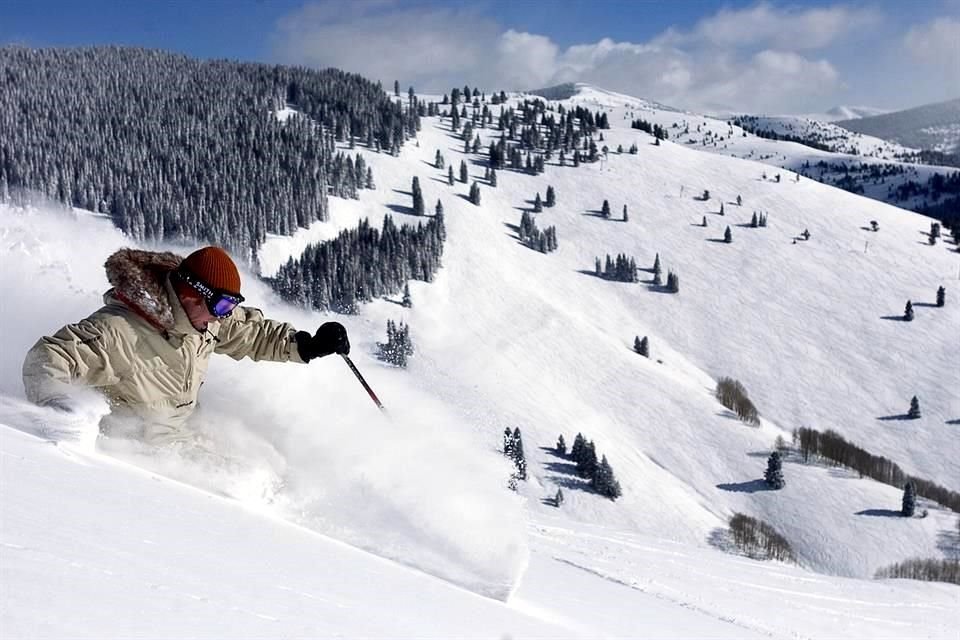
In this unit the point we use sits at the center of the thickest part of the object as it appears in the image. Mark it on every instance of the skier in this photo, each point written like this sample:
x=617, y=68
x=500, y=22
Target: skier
x=147, y=349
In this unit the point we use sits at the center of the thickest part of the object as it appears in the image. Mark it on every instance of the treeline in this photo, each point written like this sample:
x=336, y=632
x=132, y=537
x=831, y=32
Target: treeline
x=655, y=130
x=758, y=539
x=179, y=149
x=929, y=569
x=750, y=124
x=362, y=264
x=832, y=446
x=733, y=395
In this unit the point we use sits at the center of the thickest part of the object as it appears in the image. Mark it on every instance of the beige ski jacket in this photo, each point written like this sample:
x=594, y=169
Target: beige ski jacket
x=142, y=353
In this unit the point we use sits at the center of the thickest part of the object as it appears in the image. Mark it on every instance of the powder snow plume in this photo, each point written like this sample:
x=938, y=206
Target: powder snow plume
x=302, y=442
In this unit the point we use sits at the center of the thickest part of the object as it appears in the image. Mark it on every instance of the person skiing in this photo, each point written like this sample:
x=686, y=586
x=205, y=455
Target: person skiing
x=147, y=349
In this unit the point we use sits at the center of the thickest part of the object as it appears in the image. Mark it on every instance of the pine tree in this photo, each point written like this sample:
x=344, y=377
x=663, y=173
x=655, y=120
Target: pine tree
x=625, y=218
x=576, y=451
x=417, y=197
x=721, y=210
x=587, y=465
x=519, y=459
x=508, y=442
x=673, y=282
x=773, y=476
x=407, y=301
x=909, y=504
x=396, y=88
x=914, y=411
x=728, y=235
x=604, y=482
x=493, y=177
x=551, y=196
x=475, y=194
x=463, y=172
x=642, y=347
x=941, y=296
x=704, y=222
x=739, y=201
x=605, y=209
x=537, y=204
x=561, y=446
x=438, y=160
x=908, y=312
x=558, y=499
x=450, y=175
x=754, y=221
x=438, y=210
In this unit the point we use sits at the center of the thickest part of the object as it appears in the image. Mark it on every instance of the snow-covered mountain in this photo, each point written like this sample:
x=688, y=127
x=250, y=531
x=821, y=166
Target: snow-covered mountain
x=844, y=112
x=867, y=165
x=935, y=127
x=508, y=337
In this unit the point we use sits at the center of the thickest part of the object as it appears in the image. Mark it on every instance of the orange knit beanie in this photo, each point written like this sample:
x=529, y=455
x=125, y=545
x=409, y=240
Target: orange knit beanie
x=214, y=267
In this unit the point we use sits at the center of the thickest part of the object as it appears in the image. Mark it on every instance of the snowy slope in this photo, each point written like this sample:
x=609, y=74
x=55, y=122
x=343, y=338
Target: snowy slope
x=506, y=336
x=870, y=161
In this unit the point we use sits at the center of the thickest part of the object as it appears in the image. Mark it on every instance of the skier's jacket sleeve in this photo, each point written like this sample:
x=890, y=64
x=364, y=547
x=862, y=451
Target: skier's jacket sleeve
x=82, y=354
x=247, y=334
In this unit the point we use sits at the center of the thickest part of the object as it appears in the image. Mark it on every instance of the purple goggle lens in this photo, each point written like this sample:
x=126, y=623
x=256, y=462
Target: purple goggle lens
x=223, y=306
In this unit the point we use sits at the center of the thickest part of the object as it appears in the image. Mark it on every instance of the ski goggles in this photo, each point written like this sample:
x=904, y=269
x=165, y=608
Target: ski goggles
x=220, y=303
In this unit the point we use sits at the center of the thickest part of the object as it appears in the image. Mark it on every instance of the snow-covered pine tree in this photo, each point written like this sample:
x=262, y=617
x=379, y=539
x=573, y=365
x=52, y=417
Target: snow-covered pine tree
x=773, y=476
x=551, y=197
x=625, y=218
x=754, y=221
x=407, y=300
x=908, y=312
x=537, y=204
x=642, y=347
x=475, y=194
x=914, y=411
x=418, y=208
x=438, y=160
x=605, y=209
x=941, y=296
x=519, y=459
x=576, y=451
x=450, y=175
x=463, y=172
x=909, y=505
x=587, y=464
x=604, y=481
x=728, y=235
x=673, y=282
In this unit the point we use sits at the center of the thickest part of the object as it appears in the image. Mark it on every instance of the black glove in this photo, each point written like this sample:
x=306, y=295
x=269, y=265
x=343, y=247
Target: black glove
x=331, y=337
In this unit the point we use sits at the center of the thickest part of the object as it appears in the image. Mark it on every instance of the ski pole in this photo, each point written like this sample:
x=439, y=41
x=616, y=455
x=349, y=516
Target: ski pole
x=366, y=386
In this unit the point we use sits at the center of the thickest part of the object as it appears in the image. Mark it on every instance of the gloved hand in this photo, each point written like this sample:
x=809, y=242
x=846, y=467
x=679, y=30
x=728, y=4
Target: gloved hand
x=331, y=337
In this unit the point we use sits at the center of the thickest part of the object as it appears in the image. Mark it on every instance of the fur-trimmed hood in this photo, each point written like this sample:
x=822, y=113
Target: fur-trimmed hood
x=139, y=280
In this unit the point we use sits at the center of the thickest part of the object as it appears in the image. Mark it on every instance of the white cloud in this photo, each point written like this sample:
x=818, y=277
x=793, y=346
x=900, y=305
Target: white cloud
x=938, y=44
x=784, y=28
x=754, y=59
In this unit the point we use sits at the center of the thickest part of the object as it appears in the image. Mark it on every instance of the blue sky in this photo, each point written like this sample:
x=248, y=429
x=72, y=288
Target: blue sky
x=750, y=56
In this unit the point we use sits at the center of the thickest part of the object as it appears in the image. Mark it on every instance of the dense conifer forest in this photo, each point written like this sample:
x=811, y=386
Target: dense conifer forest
x=176, y=149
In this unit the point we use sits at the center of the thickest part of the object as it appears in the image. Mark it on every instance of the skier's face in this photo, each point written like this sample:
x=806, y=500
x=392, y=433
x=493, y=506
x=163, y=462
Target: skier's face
x=195, y=307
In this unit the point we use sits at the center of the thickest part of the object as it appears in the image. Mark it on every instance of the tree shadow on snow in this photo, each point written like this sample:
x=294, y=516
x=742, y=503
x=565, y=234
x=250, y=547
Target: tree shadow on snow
x=923, y=304
x=897, y=416
x=594, y=213
x=893, y=318
x=400, y=208
x=403, y=193
x=566, y=468
x=553, y=452
x=751, y=486
x=879, y=513
x=718, y=240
